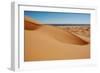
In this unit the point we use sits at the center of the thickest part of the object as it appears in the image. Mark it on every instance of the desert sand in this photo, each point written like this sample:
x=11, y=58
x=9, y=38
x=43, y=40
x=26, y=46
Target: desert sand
x=44, y=42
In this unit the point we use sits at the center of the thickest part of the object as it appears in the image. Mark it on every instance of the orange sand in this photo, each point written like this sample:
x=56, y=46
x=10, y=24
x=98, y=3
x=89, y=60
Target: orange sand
x=44, y=42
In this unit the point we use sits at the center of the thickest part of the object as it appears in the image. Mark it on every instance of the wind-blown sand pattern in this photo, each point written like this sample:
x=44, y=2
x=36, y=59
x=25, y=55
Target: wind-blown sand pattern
x=45, y=42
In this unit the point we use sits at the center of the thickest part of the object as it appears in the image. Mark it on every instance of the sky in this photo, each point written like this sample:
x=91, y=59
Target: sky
x=59, y=17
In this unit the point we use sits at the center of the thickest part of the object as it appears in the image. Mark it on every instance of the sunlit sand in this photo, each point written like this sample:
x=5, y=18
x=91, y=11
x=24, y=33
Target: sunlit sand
x=45, y=42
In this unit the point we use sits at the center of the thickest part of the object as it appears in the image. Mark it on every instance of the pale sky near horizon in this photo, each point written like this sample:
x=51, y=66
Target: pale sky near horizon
x=59, y=17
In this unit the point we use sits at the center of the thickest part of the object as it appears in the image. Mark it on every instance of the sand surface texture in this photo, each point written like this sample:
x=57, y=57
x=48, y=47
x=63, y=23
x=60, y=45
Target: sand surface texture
x=45, y=42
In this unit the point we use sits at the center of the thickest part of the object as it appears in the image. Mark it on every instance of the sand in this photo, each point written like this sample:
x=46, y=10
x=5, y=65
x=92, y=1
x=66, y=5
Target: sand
x=44, y=42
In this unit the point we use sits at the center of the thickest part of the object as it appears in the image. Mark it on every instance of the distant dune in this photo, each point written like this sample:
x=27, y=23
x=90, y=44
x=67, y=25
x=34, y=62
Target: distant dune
x=44, y=42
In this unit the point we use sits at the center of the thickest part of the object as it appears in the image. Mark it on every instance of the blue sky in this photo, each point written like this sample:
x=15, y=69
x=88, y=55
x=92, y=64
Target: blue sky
x=59, y=17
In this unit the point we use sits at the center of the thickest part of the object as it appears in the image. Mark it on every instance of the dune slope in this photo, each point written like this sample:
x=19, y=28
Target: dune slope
x=30, y=24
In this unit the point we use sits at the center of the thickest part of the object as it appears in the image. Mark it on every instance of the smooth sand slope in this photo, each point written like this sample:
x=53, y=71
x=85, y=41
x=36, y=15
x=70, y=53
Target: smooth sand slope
x=44, y=42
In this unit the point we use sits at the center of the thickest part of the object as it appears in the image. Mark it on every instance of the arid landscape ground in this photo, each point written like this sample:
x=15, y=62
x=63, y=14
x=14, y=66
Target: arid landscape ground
x=45, y=42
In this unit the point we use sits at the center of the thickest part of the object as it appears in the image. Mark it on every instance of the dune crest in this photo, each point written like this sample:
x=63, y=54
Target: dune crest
x=30, y=24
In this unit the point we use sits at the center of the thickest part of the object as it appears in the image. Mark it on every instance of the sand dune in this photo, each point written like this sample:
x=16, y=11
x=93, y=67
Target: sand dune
x=44, y=42
x=31, y=24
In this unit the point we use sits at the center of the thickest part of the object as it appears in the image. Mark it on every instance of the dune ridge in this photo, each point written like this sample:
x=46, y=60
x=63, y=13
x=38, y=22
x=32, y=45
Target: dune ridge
x=46, y=42
x=30, y=24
